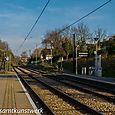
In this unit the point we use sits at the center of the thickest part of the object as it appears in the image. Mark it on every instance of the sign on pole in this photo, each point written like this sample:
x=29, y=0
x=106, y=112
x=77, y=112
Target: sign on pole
x=83, y=54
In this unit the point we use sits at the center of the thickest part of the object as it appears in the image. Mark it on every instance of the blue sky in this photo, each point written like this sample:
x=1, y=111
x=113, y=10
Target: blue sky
x=17, y=17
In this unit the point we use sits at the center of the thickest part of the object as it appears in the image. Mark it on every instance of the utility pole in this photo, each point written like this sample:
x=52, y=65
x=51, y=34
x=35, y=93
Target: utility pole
x=36, y=54
x=4, y=61
x=51, y=55
x=76, y=59
x=10, y=58
x=74, y=56
x=51, y=52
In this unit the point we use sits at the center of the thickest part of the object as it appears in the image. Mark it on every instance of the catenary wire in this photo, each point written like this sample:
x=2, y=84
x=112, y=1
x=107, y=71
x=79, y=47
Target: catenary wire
x=85, y=16
x=66, y=26
x=34, y=24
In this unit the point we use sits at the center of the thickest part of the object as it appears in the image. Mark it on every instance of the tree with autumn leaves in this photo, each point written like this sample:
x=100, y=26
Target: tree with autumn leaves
x=61, y=40
x=6, y=55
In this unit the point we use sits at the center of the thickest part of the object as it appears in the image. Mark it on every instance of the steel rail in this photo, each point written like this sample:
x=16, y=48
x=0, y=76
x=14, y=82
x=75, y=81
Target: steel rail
x=84, y=89
x=65, y=96
x=108, y=87
x=110, y=99
x=35, y=97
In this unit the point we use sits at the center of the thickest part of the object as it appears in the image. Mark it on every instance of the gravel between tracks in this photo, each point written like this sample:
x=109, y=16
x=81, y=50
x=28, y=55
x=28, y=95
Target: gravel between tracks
x=92, y=101
x=57, y=104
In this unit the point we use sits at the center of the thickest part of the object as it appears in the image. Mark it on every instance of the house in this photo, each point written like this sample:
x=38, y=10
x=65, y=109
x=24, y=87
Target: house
x=46, y=54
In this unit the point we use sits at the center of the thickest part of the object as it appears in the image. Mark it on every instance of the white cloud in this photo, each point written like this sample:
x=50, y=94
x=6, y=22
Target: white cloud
x=11, y=6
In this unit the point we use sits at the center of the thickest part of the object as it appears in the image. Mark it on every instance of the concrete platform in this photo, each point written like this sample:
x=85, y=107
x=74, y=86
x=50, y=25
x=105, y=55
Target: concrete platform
x=13, y=96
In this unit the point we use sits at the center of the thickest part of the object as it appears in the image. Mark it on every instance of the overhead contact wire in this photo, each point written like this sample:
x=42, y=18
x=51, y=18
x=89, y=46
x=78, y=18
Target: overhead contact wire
x=85, y=16
x=34, y=24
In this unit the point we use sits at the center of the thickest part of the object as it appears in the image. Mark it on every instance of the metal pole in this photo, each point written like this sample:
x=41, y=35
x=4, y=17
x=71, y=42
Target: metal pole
x=76, y=59
x=4, y=62
x=74, y=63
x=36, y=54
x=96, y=40
x=96, y=59
x=51, y=53
x=10, y=58
x=61, y=64
x=74, y=51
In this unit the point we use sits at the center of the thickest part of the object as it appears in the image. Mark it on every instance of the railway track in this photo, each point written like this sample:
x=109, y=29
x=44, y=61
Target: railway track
x=102, y=85
x=106, y=107
x=59, y=101
x=95, y=91
x=98, y=104
x=36, y=98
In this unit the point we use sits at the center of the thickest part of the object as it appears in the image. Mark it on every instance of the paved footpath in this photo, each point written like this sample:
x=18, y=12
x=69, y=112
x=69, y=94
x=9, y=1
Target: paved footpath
x=12, y=95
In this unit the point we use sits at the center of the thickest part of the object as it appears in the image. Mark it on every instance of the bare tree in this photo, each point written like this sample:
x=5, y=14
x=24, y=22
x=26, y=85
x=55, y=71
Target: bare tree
x=82, y=36
x=101, y=35
x=82, y=32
